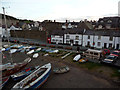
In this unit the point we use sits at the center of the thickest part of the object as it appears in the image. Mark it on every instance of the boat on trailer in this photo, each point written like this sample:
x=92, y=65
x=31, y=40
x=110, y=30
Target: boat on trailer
x=35, y=79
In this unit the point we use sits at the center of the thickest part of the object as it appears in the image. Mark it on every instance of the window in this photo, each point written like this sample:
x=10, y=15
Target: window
x=101, y=21
x=88, y=37
x=76, y=42
x=108, y=26
x=67, y=36
x=111, y=38
x=77, y=37
x=109, y=21
x=99, y=37
x=99, y=43
x=53, y=40
x=100, y=26
x=67, y=42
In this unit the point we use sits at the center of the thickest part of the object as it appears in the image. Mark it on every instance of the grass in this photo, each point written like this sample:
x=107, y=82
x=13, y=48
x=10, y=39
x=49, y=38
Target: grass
x=116, y=73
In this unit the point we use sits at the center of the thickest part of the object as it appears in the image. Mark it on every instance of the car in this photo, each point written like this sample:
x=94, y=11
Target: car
x=115, y=53
x=106, y=51
x=110, y=59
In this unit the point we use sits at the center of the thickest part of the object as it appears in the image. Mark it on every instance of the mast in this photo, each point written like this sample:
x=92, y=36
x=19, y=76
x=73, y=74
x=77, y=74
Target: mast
x=7, y=35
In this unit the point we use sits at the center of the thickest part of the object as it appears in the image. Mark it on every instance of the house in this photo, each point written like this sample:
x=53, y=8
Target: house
x=108, y=23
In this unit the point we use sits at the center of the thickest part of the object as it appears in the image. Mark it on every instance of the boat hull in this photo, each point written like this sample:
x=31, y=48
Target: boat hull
x=41, y=81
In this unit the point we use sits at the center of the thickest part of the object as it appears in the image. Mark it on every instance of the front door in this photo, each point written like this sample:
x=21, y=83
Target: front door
x=105, y=45
x=117, y=47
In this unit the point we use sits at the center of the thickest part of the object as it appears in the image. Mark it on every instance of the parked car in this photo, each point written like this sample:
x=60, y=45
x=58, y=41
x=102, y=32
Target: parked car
x=115, y=53
x=110, y=59
x=106, y=51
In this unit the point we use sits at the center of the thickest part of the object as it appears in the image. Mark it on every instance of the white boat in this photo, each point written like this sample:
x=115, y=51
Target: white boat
x=3, y=49
x=77, y=57
x=30, y=52
x=38, y=49
x=35, y=55
x=13, y=50
x=35, y=79
x=6, y=46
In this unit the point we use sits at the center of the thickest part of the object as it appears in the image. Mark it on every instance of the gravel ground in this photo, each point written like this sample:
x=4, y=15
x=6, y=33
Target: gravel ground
x=75, y=78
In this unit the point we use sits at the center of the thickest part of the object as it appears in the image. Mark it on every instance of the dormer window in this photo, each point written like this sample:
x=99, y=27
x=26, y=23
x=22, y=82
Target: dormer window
x=100, y=26
x=108, y=26
x=101, y=21
x=109, y=21
x=77, y=37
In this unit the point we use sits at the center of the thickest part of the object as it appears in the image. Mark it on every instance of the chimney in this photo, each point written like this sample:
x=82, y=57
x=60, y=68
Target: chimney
x=54, y=20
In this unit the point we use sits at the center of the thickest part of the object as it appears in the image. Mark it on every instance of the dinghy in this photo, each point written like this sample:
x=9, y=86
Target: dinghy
x=61, y=70
x=13, y=50
x=30, y=52
x=77, y=57
x=23, y=74
x=35, y=79
x=35, y=55
x=38, y=50
x=3, y=81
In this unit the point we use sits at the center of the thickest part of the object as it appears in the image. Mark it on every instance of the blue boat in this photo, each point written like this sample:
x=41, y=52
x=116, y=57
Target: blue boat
x=35, y=79
x=32, y=48
x=23, y=74
x=7, y=49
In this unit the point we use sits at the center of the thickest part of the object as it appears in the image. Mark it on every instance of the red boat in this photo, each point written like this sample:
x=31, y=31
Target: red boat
x=15, y=68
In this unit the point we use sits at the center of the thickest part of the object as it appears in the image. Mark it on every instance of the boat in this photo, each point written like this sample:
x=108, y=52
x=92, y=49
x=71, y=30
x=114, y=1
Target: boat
x=83, y=60
x=7, y=49
x=3, y=81
x=12, y=51
x=30, y=52
x=35, y=55
x=38, y=50
x=61, y=70
x=32, y=48
x=35, y=79
x=77, y=57
x=9, y=69
x=22, y=74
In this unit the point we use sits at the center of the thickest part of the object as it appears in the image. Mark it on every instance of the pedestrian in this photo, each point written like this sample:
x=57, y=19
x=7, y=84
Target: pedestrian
x=78, y=49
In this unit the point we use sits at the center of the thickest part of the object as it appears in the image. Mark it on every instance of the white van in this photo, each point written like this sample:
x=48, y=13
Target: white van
x=94, y=54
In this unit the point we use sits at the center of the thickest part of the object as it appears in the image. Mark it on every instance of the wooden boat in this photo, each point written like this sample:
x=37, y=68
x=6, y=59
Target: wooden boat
x=35, y=79
x=35, y=55
x=83, y=60
x=23, y=74
x=11, y=69
x=77, y=57
x=3, y=81
x=61, y=70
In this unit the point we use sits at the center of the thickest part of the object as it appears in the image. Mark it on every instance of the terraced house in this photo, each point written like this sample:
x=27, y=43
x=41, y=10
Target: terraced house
x=106, y=34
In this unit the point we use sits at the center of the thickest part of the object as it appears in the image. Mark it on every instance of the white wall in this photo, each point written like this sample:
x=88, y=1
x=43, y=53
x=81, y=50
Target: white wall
x=56, y=39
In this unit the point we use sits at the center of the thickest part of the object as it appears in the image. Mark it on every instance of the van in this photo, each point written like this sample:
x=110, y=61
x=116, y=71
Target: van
x=94, y=54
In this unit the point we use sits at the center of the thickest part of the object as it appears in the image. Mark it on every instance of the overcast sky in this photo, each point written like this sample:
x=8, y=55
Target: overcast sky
x=60, y=10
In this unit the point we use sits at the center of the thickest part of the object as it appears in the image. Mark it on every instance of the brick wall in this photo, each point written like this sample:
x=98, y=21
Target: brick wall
x=33, y=34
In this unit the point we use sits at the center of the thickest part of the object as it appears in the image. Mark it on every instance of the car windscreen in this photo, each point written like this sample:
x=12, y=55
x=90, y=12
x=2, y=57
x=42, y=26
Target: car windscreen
x=116, y=53
x=110, y=57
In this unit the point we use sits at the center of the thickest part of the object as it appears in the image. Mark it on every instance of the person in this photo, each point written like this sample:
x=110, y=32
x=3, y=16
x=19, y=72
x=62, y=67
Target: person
x=78, y=49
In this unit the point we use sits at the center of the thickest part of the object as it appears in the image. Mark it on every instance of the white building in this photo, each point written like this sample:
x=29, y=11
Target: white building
x=97, y=39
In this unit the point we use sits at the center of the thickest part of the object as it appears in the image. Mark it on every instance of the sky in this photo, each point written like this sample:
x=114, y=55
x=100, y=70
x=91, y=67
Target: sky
x=60, y=10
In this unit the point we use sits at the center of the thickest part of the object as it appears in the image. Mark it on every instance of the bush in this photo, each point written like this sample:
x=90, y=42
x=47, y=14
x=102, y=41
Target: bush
x=60, y=46
x=52, y=46
x=44, y=45
x=69, y=48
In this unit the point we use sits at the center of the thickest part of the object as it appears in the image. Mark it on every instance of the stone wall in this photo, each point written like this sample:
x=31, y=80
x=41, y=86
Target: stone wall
x=33, y=34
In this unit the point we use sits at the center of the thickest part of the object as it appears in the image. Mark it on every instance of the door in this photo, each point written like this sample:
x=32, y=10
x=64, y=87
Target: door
x=105, y=45
x=118, y=46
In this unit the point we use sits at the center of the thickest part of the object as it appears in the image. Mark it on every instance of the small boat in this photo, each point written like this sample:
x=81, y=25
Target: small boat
x=7, y=49
x=38, y=50
x=3, y=49
x=35, y=79
x=54, y=51
x=83, y=60
x=23, y=74
x=30, y=52
x=3, y=81
x=13, y=50
x=9, y=69
x=32, y=48
x=35, y=55
x=61, y=69
x=77, y=57
x=6, y=46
